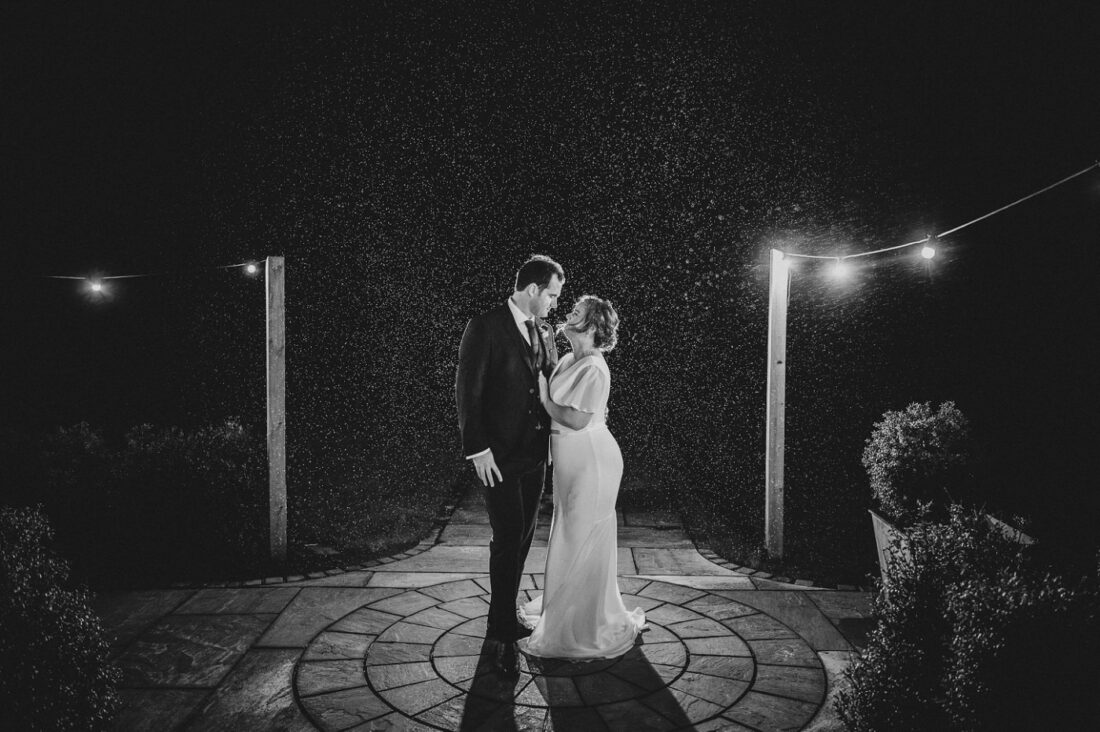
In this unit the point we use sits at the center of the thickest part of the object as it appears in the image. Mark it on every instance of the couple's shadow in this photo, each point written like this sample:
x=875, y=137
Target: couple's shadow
x=570, y=691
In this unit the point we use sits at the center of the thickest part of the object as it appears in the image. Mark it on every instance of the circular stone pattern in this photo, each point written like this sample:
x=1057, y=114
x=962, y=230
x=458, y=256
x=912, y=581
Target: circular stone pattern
x=556, y=683
x=415, y=660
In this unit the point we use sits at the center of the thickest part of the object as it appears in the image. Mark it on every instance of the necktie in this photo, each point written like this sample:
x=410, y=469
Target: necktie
x=533, y=335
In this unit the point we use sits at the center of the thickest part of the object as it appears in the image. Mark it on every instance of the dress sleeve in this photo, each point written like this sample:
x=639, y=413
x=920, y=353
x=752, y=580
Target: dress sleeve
x=583, y=389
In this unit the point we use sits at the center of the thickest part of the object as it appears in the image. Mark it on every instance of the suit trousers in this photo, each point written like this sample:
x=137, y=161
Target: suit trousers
x=513, y=506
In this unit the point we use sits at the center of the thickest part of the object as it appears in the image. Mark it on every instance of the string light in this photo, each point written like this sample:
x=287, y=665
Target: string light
x=928, y=250
x=97, y=284
x=838, y=270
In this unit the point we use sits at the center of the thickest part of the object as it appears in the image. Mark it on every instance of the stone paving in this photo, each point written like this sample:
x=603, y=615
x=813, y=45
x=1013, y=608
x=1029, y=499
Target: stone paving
x=399, y=645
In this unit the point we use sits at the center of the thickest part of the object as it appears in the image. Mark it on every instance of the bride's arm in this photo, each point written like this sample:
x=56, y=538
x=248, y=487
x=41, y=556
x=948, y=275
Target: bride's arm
x=574, y=419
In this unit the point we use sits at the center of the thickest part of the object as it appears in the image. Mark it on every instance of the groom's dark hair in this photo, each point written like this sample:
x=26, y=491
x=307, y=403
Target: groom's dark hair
x=539, y=269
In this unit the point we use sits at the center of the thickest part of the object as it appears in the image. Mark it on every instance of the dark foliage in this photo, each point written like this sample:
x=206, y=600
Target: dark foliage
x=168, y=503
x=54, y=669
x=190, y=501
x=1013, y=626
x=975, y=634
x=164, y=503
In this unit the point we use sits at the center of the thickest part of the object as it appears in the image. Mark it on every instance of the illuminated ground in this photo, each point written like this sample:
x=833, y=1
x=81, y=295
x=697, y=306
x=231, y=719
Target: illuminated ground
x=398, y=645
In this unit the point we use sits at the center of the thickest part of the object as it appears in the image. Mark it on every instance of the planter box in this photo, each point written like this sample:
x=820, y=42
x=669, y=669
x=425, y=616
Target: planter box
x=890, y=540
x=1010, y=532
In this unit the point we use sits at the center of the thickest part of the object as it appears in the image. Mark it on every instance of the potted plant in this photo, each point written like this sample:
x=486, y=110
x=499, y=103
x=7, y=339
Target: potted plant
x=971, y=612
x=917, y=463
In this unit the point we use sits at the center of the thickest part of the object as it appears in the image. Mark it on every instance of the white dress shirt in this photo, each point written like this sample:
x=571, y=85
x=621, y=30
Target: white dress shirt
x=521, y=320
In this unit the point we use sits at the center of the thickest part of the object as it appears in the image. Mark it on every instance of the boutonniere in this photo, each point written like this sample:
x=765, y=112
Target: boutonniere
x=543, y=327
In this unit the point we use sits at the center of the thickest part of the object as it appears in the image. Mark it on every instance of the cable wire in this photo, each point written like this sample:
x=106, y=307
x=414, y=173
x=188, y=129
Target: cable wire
x=929, y=238
x=838, y=258
x=1021, y=200
x=147, y=274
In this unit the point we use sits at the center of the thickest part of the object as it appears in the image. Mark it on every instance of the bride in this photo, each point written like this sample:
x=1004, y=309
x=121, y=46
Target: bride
x=581, y=613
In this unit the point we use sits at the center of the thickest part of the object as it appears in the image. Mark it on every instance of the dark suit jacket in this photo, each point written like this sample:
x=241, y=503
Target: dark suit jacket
x=497, y=391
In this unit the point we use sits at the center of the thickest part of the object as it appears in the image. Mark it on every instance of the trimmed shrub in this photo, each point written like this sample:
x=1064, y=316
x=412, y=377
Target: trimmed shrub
x=54, y=672
x=164, y=504
x=917, y=460
x=169, y=503
x=74, y=479
x=75, y=461
x=971, y=621
x=195, y=497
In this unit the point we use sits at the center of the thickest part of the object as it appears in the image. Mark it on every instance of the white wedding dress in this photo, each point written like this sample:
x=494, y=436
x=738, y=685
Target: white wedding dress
x=580, y=614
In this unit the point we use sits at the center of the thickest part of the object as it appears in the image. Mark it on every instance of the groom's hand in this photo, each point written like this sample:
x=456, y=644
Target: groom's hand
x=485, y=466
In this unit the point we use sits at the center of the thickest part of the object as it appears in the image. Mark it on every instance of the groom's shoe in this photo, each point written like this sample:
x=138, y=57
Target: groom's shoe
x=502, y=656
x=523, y=632
x=508, y=659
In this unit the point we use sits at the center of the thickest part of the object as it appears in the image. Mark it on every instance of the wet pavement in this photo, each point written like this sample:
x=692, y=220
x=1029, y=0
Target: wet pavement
x=398, y=644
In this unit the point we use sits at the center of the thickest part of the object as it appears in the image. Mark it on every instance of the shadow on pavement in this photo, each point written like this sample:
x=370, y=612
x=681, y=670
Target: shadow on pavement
x=570, y=690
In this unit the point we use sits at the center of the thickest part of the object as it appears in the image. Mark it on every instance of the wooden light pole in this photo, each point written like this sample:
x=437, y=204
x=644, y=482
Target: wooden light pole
x=276, y=406
x=778, y=292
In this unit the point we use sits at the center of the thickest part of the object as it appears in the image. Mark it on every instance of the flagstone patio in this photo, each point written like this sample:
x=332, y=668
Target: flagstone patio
x=399, y=645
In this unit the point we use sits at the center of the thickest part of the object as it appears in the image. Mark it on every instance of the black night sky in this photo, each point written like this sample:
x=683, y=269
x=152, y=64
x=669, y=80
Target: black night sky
x=405, y=157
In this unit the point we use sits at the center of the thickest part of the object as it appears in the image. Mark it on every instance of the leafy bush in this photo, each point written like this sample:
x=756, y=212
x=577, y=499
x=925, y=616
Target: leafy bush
x=1020, y=625
x=197, y=496
x=165, y=503
x=54, y=673
x=74, y=478
x=916, y=460
x=971, y=620
x=75, y=462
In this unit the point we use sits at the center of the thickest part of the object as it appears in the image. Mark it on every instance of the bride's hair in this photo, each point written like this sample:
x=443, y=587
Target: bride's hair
x=600, y=317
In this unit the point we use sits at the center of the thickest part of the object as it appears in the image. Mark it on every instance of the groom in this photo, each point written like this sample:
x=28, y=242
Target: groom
x=505, y=432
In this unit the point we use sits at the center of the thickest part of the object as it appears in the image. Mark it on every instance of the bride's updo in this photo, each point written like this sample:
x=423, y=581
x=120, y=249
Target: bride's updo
x=600, y=318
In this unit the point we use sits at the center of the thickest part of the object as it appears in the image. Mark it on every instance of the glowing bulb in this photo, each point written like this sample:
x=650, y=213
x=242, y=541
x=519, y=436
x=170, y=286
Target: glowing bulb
x=96, y=286
x=251, y=268
x=928, y=252
x=839, y=269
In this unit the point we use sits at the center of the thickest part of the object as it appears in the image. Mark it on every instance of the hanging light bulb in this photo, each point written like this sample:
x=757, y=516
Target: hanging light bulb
x=251, y=268
x=929, y=249
x=96, y=286
x=839, y=269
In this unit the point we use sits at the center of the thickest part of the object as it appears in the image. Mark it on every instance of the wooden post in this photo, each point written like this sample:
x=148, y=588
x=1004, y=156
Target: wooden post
x=276, y=406
x=777, y=399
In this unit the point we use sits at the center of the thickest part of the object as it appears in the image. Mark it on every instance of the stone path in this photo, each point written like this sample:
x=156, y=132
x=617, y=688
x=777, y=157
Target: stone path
x=399, y=646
